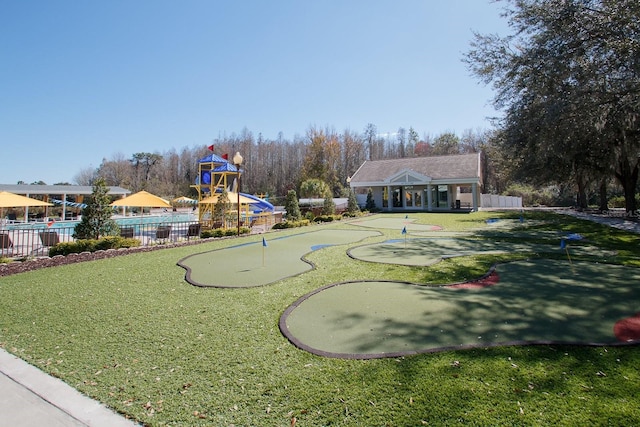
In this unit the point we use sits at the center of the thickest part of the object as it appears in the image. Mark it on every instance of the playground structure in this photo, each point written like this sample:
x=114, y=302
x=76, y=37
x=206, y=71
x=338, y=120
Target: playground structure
x=217, y=175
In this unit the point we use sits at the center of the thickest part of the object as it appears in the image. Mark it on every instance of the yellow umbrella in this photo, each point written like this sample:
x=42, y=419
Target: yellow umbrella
x=11, y=200
x=232, y=197
x=142, y=199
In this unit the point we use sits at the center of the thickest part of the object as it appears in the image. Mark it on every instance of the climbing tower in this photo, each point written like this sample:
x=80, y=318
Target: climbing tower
x=215, y=174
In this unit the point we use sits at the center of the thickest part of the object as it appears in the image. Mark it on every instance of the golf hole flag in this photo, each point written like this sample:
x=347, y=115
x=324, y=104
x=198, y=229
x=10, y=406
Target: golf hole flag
x=404, y=230
x=264, y=245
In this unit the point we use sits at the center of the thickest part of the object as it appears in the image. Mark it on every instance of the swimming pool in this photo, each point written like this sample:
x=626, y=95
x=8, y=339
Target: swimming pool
x=122, y=221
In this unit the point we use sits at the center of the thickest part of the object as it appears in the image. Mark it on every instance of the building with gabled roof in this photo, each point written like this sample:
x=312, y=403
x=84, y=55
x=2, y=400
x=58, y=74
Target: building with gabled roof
x=438, y=183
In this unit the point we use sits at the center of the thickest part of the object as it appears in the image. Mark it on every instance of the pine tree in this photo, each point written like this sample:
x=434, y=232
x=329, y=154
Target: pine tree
x=371, y=203
x=96, y=217
x=329, y=206
x=292, y=207
x=352, y=203
x=222, y=207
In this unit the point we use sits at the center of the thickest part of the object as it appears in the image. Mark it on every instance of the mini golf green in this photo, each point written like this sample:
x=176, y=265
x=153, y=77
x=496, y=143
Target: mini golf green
x=427, y=251
x=395, y=222
x=541, y=301
x=254, y=264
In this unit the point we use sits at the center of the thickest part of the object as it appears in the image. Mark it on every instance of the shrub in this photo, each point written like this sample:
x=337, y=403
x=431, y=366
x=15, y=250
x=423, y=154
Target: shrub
x=291, y=224
x=532, y=196
x=328, y=218
x=328, y=206
x=291, y=206
x=223, y=232
x=352, y=204
x=92, y=245
x=371, y=203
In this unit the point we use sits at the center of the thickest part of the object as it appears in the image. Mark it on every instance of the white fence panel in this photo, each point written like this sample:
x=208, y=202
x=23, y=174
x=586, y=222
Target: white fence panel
x=495, y=201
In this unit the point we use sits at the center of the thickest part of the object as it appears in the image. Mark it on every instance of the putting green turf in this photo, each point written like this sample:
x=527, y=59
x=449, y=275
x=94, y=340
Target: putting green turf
x=254, y=264
x=395, y=223
x=427, y=251
x=533, y=302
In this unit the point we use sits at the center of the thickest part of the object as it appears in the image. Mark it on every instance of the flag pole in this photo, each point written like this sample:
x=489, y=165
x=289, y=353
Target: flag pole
x=563, y=245
x=404, y=231
x=264, y=245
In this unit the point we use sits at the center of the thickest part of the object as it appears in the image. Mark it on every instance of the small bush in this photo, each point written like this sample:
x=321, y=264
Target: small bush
x=353, y=214
x=92, y=245
x=328, y=218
x=223, y=232
x=291, y=224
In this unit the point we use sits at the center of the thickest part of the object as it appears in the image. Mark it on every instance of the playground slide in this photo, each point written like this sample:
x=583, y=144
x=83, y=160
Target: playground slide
x=262, y=204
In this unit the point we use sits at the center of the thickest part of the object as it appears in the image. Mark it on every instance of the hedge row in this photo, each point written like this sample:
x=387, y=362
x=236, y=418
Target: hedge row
x=92, y=245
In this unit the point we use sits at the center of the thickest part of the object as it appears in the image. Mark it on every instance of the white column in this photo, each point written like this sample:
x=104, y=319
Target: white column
x=474, y=196
x=429, y=198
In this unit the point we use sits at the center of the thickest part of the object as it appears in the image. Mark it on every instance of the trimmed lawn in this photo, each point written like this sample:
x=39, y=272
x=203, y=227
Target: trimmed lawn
x=132, y=333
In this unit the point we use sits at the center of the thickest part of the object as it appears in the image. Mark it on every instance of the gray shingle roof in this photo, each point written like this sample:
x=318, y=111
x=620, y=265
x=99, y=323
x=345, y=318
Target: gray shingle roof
x=437, y=167
x=57, y=189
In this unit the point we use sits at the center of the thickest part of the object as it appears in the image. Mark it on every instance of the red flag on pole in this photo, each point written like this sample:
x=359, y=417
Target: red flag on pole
x=210, y=148
x=225, y=156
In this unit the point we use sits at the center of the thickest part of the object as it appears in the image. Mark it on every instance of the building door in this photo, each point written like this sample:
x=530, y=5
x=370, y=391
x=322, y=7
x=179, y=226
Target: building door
x=440, y=196
x=412, y=197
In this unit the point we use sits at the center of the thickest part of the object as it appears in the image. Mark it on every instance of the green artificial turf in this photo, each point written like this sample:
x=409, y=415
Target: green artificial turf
x=132, y=333
x=534, y=301
x=261, y=263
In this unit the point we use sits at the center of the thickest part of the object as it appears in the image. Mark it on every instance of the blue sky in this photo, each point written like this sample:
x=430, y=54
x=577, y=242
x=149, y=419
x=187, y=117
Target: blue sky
x=84, y=80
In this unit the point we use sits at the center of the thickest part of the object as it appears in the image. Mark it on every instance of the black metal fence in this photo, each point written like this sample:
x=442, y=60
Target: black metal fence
x=19, y=239
x=35, y=238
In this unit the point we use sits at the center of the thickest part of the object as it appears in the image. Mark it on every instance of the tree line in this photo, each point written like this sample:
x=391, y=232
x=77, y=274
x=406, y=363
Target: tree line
x=276, y=166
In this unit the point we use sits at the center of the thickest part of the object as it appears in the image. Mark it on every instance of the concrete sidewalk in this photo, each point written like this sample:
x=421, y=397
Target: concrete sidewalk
x=619, y=222
x=29, y=397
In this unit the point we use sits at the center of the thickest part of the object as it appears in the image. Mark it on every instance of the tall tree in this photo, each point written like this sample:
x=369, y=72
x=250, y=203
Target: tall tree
x=143, y=164
x=568, y=79
x=446, y=143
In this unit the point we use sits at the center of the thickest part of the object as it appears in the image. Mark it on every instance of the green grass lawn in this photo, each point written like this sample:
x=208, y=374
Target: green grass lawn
x=132, y=333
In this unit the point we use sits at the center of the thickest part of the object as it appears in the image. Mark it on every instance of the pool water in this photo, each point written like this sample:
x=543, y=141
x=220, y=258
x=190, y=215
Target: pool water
x=126, y=221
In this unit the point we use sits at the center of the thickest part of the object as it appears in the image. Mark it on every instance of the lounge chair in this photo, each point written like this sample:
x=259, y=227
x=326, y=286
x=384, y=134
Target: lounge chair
x=6, y=245
x=127, y=232
x=193, y=230
x=163, y=232
x=47, y=240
